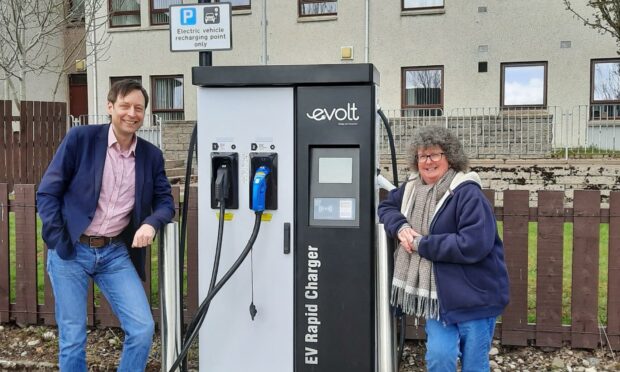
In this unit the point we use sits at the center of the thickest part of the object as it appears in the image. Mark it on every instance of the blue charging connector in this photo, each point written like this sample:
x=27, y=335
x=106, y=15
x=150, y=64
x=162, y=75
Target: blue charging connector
x=259, y=188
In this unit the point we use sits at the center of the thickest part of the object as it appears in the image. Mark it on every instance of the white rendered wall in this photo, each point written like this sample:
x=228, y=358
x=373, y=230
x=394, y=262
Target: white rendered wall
x=514, y=31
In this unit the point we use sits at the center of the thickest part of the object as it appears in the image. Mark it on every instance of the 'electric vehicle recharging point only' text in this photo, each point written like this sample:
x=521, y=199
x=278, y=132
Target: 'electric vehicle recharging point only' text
x=308, y=135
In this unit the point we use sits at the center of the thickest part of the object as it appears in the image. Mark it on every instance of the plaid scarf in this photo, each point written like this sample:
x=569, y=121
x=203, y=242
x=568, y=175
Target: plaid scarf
x=413, y=284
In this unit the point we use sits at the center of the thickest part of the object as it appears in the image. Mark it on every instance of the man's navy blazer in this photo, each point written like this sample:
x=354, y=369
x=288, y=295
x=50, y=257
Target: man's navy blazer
x=69, y=191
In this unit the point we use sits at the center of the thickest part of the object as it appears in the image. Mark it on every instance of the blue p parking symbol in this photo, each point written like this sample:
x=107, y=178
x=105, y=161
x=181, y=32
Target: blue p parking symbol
x=188, y=16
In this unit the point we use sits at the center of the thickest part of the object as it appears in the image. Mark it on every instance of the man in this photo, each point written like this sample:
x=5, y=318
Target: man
x=101, y=200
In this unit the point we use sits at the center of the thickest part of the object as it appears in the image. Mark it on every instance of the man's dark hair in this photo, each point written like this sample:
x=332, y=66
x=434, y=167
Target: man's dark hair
x=124, y=87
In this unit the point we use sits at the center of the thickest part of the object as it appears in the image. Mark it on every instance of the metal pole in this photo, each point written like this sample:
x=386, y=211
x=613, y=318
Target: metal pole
x=169, y=295
x=205, y=58
x=367, y=32
x=94, y=64
x=386, y=345
x=264, y=32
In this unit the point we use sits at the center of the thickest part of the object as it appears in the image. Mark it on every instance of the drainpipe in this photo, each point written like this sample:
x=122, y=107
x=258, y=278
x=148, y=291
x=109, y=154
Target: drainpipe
x=367, y=33
x=94, y=35
x=264, y=32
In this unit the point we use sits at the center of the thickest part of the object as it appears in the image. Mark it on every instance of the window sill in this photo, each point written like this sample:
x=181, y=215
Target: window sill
x=604, y=122
x=76, y=24
x=242, y=12
x=520, y=111
x=408, y=13
x=139, y=28
x=317, y=18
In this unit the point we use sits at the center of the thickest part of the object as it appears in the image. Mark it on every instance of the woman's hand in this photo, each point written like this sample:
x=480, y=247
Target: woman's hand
x=406, y=236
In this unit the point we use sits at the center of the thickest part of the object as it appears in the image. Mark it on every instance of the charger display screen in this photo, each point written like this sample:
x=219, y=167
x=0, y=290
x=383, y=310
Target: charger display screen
x=334, y=186
x=335, y=170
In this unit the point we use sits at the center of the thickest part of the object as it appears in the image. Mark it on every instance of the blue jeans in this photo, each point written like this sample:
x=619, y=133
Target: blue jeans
x=111, y=268
x=470, y=340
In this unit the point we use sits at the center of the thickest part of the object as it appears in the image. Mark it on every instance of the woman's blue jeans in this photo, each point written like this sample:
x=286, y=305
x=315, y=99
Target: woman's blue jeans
x=471, y=341
x=113, y=272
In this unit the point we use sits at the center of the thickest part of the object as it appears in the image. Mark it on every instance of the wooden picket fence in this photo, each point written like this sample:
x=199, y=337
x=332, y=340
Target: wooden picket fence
x=584, y=330
x=26, y=309
x=28, y=141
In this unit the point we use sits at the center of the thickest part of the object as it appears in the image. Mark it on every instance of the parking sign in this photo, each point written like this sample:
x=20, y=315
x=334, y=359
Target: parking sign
x=200, y=27
x=188, y=16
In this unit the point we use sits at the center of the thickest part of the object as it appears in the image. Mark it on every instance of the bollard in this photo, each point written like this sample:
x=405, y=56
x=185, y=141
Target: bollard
x=386, y=344
x=169, y=295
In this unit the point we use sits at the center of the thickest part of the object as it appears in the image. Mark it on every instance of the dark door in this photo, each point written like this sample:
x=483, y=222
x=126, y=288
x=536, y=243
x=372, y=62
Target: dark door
x=78, y=95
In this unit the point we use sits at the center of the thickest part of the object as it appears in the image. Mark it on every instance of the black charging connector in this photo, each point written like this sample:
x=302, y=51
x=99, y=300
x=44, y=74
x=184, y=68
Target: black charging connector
x=222, y=183
x=225, y=180
x=269, y=160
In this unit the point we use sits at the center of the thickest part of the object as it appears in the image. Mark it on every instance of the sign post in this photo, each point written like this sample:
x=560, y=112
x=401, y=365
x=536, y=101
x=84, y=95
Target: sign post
x=200, y=27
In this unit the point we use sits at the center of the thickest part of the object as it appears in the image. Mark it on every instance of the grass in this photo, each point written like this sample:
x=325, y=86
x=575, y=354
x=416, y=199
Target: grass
x=532, y=269
x=584, y=152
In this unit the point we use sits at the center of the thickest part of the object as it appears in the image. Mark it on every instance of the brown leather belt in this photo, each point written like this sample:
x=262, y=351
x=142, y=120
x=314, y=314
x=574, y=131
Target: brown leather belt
x=98, y=241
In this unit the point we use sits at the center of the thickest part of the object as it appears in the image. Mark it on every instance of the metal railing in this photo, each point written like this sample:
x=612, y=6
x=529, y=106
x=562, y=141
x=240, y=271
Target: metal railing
x=489, y=132
x=150, y=131
x=404, y=123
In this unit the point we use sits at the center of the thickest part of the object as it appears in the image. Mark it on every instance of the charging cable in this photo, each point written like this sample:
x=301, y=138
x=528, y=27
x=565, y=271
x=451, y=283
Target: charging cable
x=222, y=187
x=183, y=226
x=259, y=193
x=259, y=184
x=401, y=316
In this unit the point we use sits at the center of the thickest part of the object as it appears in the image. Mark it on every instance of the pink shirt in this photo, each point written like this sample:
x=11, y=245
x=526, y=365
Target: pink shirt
x=117, y=196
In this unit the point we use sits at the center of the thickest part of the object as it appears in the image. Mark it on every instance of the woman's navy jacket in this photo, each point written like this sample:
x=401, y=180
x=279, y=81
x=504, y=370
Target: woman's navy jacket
x=463, y=243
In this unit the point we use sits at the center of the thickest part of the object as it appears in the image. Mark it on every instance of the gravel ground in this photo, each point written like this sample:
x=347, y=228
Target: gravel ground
x=35, y=349
x=527, y=359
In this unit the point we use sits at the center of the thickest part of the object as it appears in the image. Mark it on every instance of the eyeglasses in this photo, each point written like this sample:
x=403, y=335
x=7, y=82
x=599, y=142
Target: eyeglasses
x=433, y=157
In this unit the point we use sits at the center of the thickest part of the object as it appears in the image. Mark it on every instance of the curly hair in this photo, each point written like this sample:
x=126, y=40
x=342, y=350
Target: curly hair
x=434, y=135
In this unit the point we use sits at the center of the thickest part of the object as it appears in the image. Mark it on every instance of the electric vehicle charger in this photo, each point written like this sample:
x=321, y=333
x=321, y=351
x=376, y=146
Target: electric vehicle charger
x=320, y=121
x=258, y=197
x=222, y=188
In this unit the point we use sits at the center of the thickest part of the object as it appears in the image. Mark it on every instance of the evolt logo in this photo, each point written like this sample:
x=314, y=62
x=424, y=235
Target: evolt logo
x=341, y=114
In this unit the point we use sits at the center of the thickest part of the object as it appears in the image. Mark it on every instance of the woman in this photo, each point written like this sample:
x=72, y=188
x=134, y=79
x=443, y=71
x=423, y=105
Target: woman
x=449, y=266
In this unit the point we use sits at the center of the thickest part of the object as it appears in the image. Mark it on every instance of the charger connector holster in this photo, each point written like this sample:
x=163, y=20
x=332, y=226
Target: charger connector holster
x=225, y=179
x=270, y=161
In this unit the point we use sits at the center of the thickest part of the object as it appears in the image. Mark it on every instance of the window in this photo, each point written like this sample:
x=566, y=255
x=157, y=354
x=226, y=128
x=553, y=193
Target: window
x=422, y=93
x=167, y=97
x=76, y=11
x=124, y=13
x=317, y=8
x=422, y=4
x=605, y=89
x=237, y=4
x=160, y=11
x=524, y=84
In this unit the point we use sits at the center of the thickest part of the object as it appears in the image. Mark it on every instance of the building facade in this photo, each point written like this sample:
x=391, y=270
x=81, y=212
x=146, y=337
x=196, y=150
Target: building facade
x=434, y=56
x=45, y=61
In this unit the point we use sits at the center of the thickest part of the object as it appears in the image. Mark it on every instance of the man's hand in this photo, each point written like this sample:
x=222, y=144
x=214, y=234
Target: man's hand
x=406, y=236
x=144, y=236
